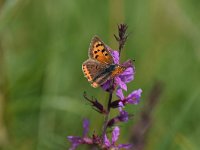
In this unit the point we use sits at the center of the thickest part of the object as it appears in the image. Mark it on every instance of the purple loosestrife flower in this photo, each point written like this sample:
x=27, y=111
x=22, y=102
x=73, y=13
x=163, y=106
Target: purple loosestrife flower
x=123, y=73
x=132, y=98
x=122, y=117
x=125, y=77
x=112, y=145
x=76, y=140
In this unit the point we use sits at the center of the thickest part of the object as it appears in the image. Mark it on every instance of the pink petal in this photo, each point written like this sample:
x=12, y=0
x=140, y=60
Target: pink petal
x=106, y=141
x=119, y=93
x=115, y=134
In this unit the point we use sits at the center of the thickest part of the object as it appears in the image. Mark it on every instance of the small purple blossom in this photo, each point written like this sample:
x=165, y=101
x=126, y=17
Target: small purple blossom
x=122, y=117
x=122, y=85
x=128, y=75
x=115, y=55
x=132, y=98
x=106, y=141
x=113, y=145
x=120, y=94
x=76, y=140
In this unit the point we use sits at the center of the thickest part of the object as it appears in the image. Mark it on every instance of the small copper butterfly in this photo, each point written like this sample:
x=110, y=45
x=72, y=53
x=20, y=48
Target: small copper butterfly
x=100, y=66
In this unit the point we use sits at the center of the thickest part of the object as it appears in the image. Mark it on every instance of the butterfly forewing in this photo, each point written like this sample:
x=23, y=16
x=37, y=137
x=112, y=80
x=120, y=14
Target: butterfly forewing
x=99, y=52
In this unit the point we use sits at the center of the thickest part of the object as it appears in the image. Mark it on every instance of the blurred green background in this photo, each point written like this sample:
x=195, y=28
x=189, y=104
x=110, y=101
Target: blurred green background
x=42, y=47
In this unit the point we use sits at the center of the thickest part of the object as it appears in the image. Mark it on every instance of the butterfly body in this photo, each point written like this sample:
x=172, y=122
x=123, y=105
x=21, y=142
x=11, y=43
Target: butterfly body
x=105, y=74
x=100, y=66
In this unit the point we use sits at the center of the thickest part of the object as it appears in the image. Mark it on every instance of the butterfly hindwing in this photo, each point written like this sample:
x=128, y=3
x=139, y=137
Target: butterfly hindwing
x=92, y=70
x=99, y=52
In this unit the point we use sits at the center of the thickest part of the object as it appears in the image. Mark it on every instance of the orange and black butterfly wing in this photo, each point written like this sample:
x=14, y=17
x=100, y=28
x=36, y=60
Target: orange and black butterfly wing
x=91, y=69
x=99, y=52
x=97, y=73
x=100, y=66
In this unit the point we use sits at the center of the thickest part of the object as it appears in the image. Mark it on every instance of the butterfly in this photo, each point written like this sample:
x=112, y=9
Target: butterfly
x=100, y=66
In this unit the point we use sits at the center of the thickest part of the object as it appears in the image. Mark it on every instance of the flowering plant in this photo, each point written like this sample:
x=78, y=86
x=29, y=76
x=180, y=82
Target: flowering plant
x=114, y=85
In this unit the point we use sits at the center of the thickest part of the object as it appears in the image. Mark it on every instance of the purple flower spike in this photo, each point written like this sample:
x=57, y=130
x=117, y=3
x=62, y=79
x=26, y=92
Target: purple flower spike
x=113, y=77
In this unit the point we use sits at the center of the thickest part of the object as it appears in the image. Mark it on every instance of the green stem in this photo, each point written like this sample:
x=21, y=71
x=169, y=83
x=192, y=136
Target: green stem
x=107, y=116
